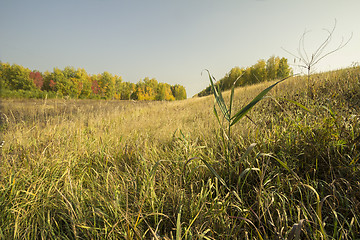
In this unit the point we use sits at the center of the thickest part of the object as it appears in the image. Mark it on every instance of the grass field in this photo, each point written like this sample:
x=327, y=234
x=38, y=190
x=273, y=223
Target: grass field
x=91, y=169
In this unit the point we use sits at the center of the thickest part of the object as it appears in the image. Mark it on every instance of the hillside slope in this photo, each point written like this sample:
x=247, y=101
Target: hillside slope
x=141, y=170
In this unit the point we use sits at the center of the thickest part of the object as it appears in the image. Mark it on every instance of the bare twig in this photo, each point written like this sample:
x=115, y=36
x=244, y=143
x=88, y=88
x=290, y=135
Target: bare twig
x=309, y=61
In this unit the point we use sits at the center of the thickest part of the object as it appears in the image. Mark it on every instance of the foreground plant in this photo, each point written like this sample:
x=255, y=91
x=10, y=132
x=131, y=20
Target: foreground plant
x=231, y=119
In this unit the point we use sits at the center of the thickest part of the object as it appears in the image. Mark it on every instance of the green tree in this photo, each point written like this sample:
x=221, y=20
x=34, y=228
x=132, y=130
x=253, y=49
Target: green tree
x=3, y=75
x=107, y=85
x=258, y=71
x=247, y=77
x=47, y=79
x=17, y=77
x=161, y=92
x=228, y=81
x=70, y=82
x=272, y=66
x=284, y=69
x=178, y=92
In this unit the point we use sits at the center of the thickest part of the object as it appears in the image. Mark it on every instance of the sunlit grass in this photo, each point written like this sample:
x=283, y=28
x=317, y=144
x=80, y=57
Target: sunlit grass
x=89, y=169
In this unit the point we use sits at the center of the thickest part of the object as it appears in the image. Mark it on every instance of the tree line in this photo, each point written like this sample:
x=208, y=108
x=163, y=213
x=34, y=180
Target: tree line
x=273, y=68
x=18, y=81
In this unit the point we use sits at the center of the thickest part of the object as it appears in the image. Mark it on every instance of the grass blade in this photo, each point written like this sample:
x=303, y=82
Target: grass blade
x=218, y=97
x=178, y=225
x=214, y=172
x=216, y=115
x=297, y=104
x=284, y=165
x=247, y=170
x=248, y=151
x=239, y=115
x=154, y=168
x=232, y=94
x=231, y=98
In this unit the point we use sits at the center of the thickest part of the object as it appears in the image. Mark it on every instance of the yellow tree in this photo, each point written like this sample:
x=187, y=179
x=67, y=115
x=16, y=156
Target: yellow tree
x=84, y=83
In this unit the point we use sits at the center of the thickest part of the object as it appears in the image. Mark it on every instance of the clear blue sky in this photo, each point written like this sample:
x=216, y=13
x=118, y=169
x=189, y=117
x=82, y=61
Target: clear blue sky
x=172, y=41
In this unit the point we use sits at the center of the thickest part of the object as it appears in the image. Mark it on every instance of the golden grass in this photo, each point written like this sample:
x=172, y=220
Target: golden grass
x=118, y=169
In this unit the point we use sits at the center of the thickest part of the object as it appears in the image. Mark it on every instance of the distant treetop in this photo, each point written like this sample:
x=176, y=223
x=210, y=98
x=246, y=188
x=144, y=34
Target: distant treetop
x=273, y=68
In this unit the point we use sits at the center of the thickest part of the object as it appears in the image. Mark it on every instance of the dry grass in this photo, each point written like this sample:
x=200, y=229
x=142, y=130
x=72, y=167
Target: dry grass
x=92, y=169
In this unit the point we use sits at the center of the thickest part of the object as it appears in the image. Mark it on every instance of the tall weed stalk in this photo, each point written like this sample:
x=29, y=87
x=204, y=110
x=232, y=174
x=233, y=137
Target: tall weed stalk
x=231, y=119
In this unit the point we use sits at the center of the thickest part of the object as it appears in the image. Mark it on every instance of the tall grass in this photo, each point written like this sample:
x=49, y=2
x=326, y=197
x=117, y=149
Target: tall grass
x=89, y=169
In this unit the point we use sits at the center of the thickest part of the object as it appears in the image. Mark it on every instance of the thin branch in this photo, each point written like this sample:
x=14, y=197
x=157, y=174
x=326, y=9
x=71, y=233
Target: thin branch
x=318, y=55
x=336, y=49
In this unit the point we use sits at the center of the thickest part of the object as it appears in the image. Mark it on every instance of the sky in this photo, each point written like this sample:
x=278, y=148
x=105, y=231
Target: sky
x=173, y=40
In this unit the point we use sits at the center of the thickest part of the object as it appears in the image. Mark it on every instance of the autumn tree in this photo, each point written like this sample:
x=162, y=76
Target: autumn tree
x=150, y=88
x=95, y=88
x=83, y=84
x=37, y=78
x=49, y=84
x=118, y=87
x=146, y=90
x=76, y=83
x=62, y=84
x=164, y=92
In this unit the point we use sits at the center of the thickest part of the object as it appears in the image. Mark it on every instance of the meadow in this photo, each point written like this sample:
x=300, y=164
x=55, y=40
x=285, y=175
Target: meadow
x=102, y=169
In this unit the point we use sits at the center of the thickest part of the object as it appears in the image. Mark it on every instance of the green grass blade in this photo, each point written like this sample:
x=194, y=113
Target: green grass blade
x=154, y=168
x=178, y=225
x=318, y=210
x=297, y=104
x=330, y=111
x=283, y=164
x=218, y=97
x=214, y=172
x=216, y=115
x=221, y=98
x=232, y=94
x=231, y=98
x=239, y=115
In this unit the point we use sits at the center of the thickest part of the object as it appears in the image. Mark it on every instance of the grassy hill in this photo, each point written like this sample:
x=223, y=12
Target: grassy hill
x=91, y=169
